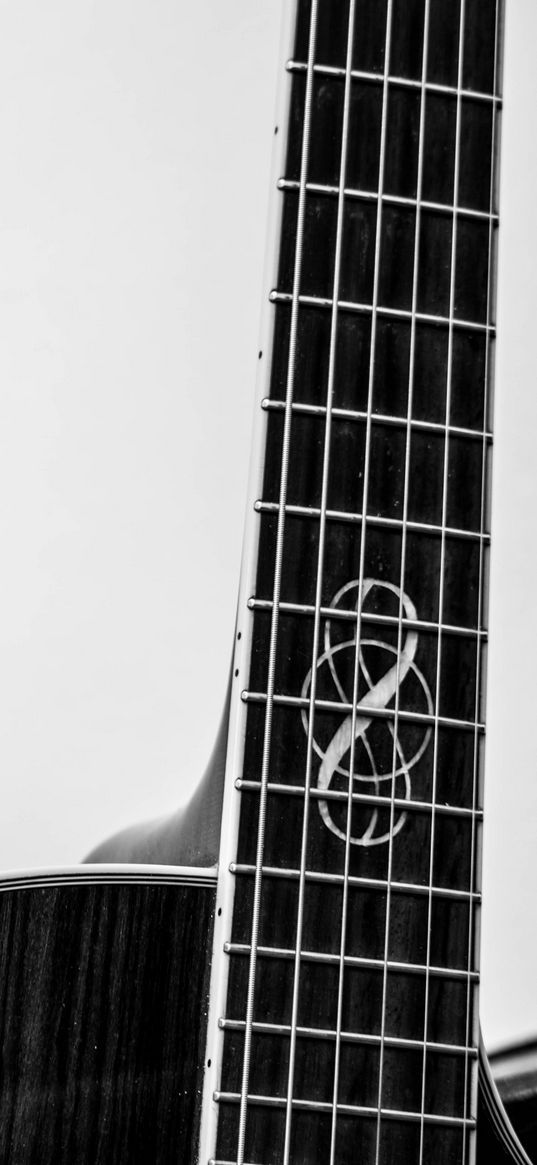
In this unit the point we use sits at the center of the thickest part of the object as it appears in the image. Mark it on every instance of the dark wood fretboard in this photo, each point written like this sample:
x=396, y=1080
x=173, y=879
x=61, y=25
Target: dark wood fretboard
x=351, y=845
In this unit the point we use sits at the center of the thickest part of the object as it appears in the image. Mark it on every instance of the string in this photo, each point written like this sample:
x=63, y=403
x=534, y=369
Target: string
x=472, y=1010
x=449, y=373
x=412, y=358
x=297, y=272
x=361, y=577
x=319, y=581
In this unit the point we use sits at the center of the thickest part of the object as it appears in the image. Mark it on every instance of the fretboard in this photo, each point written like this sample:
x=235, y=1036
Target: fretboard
x=350, y=856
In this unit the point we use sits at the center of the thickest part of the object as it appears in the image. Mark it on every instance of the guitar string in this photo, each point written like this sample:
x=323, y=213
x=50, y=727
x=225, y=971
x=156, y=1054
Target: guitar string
x=271, y=668
x=333, y=342
x=445, y=483
x=472, y=993
x=348, y=832
x=361, y=573
x=411, y=373
x=319, y=582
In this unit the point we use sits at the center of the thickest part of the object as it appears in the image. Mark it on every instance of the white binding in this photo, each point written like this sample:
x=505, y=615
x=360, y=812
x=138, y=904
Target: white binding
x=238, y=709
x=107, y=873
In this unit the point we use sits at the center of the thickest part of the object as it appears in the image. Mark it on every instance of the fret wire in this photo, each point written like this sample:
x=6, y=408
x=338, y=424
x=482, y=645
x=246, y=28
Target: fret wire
x=430, y=1118
x=213, y=1160
x=395, y=313
x=403, y=82
x=219, y=1161
x=288, y=701
x=270, y=404
x=322, y=958
x=392, y=199
x=339, y=614
x=364, y=799
x=472, y=1009
x=402, y=577
x=379, y=884
x=445, y=482
x=297, y=273
x=264, y=507
x=363, y=1038
x=320, y=556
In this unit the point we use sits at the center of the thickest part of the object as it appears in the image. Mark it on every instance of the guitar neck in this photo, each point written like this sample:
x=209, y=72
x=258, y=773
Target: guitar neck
x=345, y=972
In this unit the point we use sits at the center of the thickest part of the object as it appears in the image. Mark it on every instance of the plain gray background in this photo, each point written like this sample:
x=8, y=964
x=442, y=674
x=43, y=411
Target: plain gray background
x=135, y=144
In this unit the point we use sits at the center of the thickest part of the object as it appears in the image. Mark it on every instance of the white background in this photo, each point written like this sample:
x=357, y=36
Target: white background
x=135, y=143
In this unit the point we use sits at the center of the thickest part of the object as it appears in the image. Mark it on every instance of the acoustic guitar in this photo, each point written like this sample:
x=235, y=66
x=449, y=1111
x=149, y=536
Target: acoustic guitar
x=286, y=972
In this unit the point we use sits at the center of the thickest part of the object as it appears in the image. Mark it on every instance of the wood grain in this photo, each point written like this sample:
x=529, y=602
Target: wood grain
x=103, y=1004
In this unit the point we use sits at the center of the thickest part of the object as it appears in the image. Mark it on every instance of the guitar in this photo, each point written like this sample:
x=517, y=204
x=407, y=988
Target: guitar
x=315, y=1000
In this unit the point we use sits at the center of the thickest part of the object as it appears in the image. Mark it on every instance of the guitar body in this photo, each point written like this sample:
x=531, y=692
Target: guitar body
x=103, y=1009
x=497, y=1137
